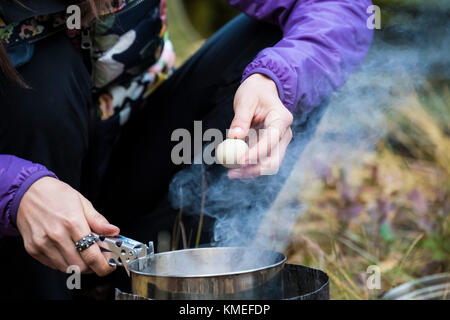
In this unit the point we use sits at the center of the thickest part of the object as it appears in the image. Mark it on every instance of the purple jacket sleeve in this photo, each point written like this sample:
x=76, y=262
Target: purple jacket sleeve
x=16, y=176
x=323, y=41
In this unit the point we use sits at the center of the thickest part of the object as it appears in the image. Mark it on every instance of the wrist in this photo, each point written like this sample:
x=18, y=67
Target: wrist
x=26, y=188
x=267, y=76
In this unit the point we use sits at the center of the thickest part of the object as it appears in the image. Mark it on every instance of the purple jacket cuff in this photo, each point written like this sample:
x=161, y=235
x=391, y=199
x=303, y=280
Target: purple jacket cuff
x=24, y=188
x=286, y=90
x=16, y=177
x=323, y=43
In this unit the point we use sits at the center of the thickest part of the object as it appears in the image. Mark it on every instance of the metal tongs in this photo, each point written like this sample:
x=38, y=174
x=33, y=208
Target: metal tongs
x=122, y=250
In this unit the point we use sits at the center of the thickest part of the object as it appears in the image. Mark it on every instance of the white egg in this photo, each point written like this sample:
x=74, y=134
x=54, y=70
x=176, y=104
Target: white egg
x=229, y=152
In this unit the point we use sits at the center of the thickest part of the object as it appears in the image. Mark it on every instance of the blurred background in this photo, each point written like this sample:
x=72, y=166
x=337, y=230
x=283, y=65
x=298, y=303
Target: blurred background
x=388, y=203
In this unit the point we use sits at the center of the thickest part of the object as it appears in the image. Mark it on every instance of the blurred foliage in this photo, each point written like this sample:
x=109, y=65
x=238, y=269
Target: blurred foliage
x=393, y=212
x=210, y=15
x=414, y=4
x=193, y=21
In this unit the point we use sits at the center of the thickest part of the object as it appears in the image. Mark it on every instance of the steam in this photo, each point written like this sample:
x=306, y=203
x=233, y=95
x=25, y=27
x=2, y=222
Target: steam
x=401, y=58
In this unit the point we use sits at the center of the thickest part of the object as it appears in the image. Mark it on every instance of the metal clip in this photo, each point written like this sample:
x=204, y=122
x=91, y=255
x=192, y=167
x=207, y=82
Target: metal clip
x=124, y=250
x=86, y=42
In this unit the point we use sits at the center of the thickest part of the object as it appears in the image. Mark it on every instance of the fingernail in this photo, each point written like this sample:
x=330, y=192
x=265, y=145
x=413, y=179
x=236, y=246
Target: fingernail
x=236, y=130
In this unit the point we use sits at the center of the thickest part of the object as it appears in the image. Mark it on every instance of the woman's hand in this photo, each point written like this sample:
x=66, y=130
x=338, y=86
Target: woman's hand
x=52, y=217
x=257, y=105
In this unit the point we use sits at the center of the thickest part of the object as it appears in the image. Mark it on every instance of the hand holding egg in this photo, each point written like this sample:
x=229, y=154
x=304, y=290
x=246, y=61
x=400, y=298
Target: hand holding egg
x=257, y=105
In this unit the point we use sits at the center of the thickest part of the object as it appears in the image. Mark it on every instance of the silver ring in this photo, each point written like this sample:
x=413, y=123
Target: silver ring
x=86, y=242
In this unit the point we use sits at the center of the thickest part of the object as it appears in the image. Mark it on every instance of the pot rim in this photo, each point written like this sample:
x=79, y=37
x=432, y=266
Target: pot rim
x=148, y=274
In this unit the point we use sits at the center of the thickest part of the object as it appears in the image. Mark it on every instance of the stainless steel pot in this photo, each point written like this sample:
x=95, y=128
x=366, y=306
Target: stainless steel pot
x=205, y=273
x=433, y=287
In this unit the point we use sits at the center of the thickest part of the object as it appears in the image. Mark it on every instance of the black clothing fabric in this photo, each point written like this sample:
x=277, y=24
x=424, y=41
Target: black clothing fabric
x=13, y=11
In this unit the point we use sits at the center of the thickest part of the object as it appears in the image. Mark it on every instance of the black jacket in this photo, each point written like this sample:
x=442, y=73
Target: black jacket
x=19, y=10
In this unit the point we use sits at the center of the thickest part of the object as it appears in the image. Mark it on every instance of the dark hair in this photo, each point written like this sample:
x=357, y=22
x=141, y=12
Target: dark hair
x=8, y=70
x=90, y=8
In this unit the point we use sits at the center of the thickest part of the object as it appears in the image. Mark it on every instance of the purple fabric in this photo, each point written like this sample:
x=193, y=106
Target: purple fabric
x=16, y=177
x=323, y=42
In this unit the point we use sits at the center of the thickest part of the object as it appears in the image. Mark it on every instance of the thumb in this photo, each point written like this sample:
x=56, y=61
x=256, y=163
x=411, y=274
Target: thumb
x=244, y=111
x=96, y=221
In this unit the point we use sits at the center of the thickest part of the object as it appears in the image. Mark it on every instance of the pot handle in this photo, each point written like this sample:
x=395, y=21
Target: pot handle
x=122, y=250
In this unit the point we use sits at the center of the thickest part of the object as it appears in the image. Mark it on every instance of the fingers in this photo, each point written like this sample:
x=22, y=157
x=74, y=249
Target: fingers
x=47, y=253
x=268, y=141
x=267, y=166
x=54, y=247
x=265, y=156
x=53, y=218
x=56, y=258
x=71, y=255
x=96, y=261
x=92, y=257
x=276, y=125
x=244, y=110
x=62, y=246
x=96, y=221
